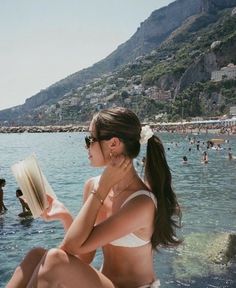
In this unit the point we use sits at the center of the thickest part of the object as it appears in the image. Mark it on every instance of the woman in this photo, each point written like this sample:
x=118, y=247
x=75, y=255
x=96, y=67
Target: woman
x=125, y=216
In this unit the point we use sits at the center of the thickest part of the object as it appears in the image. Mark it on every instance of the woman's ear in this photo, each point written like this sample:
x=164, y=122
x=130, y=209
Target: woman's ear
x=114, y=143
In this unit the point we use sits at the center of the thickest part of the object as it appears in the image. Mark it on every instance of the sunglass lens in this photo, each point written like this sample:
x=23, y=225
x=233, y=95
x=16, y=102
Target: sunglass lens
x=87, y=142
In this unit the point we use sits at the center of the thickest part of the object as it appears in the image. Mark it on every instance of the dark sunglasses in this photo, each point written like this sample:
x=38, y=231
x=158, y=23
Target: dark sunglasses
x=90, y=139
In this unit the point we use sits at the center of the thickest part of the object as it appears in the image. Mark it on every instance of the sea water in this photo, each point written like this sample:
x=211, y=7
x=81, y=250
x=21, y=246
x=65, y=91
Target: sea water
x=206, y=192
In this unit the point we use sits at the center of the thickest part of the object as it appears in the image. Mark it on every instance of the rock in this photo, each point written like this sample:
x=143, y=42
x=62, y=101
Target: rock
x=233, y=13
x=223, y=249
x=203, y=254
x=215, y=44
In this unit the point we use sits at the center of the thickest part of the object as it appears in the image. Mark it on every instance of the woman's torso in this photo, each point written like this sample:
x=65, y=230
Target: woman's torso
x=128, y=266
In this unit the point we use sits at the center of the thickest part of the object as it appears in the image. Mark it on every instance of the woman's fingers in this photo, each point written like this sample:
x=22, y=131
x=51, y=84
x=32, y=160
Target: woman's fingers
x=46, y=212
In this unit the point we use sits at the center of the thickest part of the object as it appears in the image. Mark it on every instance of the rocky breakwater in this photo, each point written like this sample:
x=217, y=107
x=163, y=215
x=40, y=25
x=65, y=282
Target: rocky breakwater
x=43, y=129
x=204, y=254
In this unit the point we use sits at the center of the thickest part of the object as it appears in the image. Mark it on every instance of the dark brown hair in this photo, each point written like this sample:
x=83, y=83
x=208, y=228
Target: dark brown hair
x=124, y=124
x=2, y=181
x=158, y=176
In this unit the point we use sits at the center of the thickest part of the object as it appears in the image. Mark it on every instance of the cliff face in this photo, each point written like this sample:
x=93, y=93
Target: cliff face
x=198, y=72
x=214, y=5
x=155, y=29
x=226, y=52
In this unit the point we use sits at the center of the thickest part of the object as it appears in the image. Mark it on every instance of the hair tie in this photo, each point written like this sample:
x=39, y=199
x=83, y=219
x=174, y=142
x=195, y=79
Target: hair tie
x=146, y=133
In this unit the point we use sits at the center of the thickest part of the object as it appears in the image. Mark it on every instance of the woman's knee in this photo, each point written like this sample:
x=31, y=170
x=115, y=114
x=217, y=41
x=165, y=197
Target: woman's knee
x=55, y=258
x=52, y=265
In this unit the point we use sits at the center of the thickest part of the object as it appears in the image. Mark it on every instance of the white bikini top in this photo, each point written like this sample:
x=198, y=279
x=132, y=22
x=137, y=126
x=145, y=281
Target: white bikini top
x=131, y=240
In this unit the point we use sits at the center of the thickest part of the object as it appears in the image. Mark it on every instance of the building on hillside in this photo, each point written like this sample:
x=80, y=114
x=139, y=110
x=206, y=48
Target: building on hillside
x=232, y=111
x=225, y=73
x=74, y=101
x=158, y=94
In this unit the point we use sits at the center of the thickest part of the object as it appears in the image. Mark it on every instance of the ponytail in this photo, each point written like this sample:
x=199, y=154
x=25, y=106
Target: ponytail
x=158, y=177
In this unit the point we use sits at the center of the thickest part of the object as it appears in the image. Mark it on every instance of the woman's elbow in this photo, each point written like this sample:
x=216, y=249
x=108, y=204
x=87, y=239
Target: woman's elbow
x=69, y=248
x=80, y=252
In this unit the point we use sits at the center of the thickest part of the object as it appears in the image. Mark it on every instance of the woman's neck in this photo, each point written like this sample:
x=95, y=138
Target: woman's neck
x=123, y=185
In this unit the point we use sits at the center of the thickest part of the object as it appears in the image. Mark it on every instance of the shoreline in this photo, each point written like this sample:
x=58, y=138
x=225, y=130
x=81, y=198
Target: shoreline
x=181, y=129
x=43, y=129
x=174, y=128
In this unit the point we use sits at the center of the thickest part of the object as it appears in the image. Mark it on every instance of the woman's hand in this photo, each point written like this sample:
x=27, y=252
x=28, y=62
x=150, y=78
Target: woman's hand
x=115, y=171
x=55, y=210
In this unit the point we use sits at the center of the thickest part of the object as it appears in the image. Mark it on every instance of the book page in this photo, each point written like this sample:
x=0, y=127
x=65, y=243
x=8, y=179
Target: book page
x=33, y=184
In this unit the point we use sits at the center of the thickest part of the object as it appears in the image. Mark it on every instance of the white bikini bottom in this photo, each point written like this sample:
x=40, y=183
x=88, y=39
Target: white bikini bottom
x=155, y=284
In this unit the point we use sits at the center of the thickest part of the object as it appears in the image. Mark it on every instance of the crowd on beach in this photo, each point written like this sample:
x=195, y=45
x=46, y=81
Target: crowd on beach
x=191, y=129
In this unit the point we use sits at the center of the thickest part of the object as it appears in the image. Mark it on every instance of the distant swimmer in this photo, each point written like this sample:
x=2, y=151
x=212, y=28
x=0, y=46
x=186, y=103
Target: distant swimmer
x=230, y=155
x=205, y=159
x=198, y=145
x=3, y=208
x=185, y=160
x=25, y=208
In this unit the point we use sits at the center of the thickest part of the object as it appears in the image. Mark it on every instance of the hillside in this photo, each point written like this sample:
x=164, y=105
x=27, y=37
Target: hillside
x=164, y=68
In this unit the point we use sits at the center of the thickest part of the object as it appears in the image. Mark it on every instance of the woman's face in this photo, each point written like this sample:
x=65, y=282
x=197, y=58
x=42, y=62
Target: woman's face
x=98, y=151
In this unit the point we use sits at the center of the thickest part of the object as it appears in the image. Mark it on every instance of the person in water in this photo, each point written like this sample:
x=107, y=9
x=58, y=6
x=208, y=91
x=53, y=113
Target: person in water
x=124, y=215
x=205, y=159
x=3, y=208
x=185, y=160
x=230, y=154
x=25, y=208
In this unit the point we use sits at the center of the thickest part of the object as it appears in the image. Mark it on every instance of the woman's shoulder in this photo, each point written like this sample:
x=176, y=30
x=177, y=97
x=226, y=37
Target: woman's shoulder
x=91, y=184
x=141, y=192
x=93, y=181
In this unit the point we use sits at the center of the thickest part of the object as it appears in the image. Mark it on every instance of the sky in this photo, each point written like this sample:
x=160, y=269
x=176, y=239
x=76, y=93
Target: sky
x=44, y=41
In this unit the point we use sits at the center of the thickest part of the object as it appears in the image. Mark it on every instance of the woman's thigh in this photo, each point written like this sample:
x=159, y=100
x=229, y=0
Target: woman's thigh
x=59, y=269
x=24, y=271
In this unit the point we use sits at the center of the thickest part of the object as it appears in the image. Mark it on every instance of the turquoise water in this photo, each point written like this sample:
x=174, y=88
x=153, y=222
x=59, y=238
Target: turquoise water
x=206, y=193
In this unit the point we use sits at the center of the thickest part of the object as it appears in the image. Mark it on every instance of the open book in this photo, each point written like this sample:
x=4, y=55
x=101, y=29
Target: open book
x=33, y=184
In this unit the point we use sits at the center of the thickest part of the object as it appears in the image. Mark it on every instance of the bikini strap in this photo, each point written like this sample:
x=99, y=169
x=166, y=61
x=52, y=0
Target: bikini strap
x=141, y=192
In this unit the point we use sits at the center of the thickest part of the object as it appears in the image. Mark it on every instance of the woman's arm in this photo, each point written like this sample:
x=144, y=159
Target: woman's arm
x=134, y=217
x=84, y=222
x=57, y=211
x=83, y=227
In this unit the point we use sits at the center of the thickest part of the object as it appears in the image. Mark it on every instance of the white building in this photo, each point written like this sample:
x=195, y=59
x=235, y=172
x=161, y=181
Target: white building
x=224, y=73
x=74, y=101
x=232, y=111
